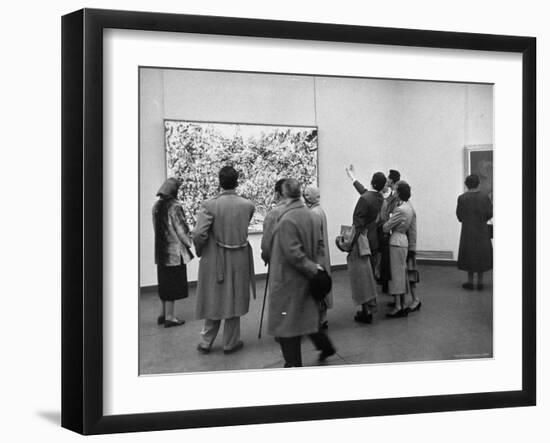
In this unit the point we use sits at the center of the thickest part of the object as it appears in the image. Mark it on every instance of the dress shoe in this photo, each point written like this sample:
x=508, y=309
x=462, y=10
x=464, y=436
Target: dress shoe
x=172, y=323
x=236, y=348
x=160, y=320
x=203, y=350
x=415, y=308
x=326, y=353
x=373, y=307
x=468, y=286
x=361, y=317
x=479, y=286
x=398, y=314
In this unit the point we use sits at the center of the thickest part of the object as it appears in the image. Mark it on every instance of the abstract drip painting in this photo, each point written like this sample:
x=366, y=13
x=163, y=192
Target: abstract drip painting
x=195, y=152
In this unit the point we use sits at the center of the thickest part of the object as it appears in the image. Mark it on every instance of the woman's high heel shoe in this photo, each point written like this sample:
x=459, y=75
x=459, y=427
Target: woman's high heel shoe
x=398, y=314
x=416, y=308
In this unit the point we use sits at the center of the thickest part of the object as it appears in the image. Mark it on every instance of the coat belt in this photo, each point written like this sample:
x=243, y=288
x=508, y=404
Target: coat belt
x=220, y=263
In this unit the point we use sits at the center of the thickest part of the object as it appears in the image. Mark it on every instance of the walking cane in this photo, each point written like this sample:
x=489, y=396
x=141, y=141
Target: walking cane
x=263, y=304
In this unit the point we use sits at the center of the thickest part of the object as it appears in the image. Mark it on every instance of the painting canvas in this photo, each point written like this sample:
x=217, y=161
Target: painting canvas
x=195, y=152
x=479, y=161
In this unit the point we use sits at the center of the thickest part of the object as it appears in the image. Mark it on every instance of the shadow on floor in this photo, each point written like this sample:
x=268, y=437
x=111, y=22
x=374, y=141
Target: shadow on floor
x=54, y=417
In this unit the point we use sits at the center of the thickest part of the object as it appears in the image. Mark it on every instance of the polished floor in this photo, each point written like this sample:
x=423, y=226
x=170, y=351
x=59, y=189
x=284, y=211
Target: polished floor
x=452, y=324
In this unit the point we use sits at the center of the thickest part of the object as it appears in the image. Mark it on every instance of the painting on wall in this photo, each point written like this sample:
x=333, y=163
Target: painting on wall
x=195, y=152
x=479, y=161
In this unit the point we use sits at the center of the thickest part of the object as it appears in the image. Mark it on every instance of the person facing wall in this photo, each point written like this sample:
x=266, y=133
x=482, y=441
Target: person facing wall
x=401, y=227
x=226, y=267
x=271, y=219
x=364, y=245
x=172, y=251
x=475, y=253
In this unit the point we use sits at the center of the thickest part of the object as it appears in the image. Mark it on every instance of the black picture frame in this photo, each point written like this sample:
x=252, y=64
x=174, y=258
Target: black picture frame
x=82, y=218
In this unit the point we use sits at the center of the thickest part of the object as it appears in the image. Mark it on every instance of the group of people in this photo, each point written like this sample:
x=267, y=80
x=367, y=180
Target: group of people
x=292, y=244
x=381, y=249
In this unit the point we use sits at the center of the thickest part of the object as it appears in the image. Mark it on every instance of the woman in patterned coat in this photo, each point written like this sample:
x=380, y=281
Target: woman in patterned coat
x=172, y=251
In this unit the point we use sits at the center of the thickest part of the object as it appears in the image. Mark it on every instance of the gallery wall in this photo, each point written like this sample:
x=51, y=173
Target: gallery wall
x=419, y=128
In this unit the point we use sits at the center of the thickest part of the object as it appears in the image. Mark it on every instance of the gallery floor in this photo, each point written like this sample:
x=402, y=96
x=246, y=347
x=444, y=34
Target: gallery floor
x=452, y=324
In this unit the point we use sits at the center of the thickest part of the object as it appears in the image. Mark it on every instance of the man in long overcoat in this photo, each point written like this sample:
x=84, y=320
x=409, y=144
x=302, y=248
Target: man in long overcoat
x=296, y=253
x=226, y=268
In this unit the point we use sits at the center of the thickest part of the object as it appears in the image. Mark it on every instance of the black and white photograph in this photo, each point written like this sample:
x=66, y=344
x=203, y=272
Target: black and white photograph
x=303, y=220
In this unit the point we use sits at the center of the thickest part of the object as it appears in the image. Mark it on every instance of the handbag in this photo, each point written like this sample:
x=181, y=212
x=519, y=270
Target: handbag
x=412, y=273
x=344, y=241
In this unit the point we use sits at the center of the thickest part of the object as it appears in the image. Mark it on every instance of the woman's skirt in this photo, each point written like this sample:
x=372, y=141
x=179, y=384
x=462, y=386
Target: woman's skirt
x=172, y=281
x=399, y=283
x=363, y=285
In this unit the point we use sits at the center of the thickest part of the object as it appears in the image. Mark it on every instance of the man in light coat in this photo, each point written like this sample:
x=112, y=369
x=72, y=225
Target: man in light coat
x=296, y=253
x=226, y=268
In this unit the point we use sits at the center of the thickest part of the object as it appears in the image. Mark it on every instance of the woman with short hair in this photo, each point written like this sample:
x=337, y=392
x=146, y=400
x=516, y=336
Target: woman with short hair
x=363, y=245
x=475, y=253
x=402, y=229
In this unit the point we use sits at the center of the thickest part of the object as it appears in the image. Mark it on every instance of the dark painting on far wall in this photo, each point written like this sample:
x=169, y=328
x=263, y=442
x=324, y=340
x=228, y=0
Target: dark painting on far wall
x=195, y=151
x=479, y=161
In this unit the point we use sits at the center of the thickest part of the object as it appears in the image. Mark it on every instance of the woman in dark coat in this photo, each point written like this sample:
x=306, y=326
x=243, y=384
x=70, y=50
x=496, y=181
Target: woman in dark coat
x=475, y=253
x=172, y=251
x=364, y=244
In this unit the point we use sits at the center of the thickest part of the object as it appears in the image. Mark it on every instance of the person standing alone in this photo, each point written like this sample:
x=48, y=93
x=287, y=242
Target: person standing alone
x=475, y=253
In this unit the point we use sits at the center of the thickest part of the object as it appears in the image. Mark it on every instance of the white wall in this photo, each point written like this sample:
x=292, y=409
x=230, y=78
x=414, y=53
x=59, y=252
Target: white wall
x=418, y=128
x=209, y=96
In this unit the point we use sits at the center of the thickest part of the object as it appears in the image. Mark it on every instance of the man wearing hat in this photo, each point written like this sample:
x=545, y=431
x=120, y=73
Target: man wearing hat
x=296, y=253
